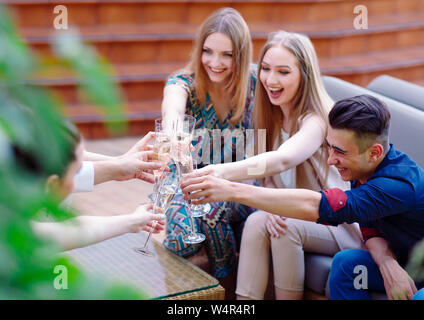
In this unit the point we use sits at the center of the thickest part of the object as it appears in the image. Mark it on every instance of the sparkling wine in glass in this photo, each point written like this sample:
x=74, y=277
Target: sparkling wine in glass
x=185, y=165
x=161, y=150
x=168, y=187
x=181, y=154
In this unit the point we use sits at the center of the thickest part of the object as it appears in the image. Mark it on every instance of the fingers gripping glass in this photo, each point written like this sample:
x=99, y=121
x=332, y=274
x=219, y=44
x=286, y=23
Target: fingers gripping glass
x=168, y=184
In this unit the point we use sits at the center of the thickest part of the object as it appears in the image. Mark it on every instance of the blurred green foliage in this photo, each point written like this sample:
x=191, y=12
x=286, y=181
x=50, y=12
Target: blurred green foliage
x=26, y=262
x=415, y=265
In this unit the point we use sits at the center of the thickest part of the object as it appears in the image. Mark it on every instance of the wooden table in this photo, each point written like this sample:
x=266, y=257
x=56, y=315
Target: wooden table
x=165, y=276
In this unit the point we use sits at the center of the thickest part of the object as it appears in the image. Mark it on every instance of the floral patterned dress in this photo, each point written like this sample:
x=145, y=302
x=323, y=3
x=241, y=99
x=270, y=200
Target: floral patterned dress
x=225, y=218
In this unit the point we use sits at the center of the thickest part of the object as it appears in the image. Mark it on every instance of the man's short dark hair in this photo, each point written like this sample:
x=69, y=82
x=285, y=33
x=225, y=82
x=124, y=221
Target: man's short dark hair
x=366, y=115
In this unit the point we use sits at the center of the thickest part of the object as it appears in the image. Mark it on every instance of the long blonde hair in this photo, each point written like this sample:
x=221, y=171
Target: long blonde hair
x=311, y=96
x=229, y=22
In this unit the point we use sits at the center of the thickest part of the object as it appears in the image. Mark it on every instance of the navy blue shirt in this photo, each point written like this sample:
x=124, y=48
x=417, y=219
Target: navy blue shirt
x=392, y=201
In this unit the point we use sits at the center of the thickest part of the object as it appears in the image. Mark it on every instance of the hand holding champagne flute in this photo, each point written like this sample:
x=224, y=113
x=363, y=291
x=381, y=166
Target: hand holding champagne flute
x=167, y=186
x=181, y=154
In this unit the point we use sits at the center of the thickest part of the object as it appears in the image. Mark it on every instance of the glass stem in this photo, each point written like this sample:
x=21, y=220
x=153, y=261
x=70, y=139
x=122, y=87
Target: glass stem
x=156, y=176
x=193, y=230
x=146, y=244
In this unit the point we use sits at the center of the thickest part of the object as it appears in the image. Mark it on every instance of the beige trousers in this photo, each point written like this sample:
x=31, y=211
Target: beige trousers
x=287, y=253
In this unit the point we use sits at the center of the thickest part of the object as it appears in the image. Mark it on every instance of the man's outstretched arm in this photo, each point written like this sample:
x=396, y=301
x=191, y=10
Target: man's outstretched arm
x=291, y=203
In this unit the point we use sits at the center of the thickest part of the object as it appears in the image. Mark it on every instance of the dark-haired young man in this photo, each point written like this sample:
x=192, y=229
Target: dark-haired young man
x=387, y=199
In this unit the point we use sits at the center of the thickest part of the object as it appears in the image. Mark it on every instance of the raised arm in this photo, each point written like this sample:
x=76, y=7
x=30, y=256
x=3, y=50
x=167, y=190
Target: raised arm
x=174, y=102
x=291, y=153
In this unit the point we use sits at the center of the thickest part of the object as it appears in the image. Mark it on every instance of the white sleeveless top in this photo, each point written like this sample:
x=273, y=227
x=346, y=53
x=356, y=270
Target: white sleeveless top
x=288, y=177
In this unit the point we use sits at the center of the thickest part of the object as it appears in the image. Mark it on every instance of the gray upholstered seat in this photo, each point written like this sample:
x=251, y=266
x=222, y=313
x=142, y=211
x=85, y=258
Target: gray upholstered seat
x=406, y=132
x=407, y=123
x=399, y=90
x=317, y=269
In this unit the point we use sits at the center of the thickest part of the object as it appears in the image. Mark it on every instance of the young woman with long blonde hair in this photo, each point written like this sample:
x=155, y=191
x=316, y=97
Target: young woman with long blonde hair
x=217, y=88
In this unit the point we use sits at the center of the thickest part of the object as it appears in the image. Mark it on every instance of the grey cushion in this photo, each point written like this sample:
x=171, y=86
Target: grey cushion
x=317, y=269
x=407, y=123
x=400, y=90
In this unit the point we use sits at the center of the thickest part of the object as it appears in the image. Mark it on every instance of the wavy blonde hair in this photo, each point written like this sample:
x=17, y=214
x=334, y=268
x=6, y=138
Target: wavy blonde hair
x=311, y=96
x=229, y=22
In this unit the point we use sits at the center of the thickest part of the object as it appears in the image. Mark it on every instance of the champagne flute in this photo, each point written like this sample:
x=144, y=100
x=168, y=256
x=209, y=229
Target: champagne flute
x=161, y=148
x=199, y=210
x=181, y=154
x=168, y=187
x=185, y=163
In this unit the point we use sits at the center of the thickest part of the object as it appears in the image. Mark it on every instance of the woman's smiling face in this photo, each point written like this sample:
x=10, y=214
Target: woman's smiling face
x=280, y=75
x=217, y=57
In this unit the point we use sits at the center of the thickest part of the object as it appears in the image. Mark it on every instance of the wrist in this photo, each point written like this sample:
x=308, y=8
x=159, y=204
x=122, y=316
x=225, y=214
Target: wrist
x=132, y=222
x=218, y=171
x=387, y=262
x=235, y=192
x=108, y=170
x=387, y=267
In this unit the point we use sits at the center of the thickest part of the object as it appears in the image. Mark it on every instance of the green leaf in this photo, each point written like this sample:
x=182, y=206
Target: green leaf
x=30, y=119
x=415, y=266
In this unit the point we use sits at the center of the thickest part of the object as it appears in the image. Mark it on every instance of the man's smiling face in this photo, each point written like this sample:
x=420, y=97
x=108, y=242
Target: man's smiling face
x=345, y=155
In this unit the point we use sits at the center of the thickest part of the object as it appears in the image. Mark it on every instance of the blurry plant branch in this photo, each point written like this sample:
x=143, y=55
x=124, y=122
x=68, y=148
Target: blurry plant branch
x=29, y=118
x=415, y=266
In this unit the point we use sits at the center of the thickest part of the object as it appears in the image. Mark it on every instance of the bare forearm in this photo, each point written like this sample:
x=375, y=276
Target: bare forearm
x=292, y=203
x=380, y=251
x=105, y=171
x=397, y=282
x=91, y=156
x=95, y=229
x=288, y=155
x=260, y=166
x=173, y=103
x=84, y=230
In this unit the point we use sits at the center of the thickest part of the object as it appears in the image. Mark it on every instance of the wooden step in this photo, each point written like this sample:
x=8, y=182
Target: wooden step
x=93, y=12
x=173, y=42
x=139, y=116
x=137, y=81
x=146, y=81
x=406, y=63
